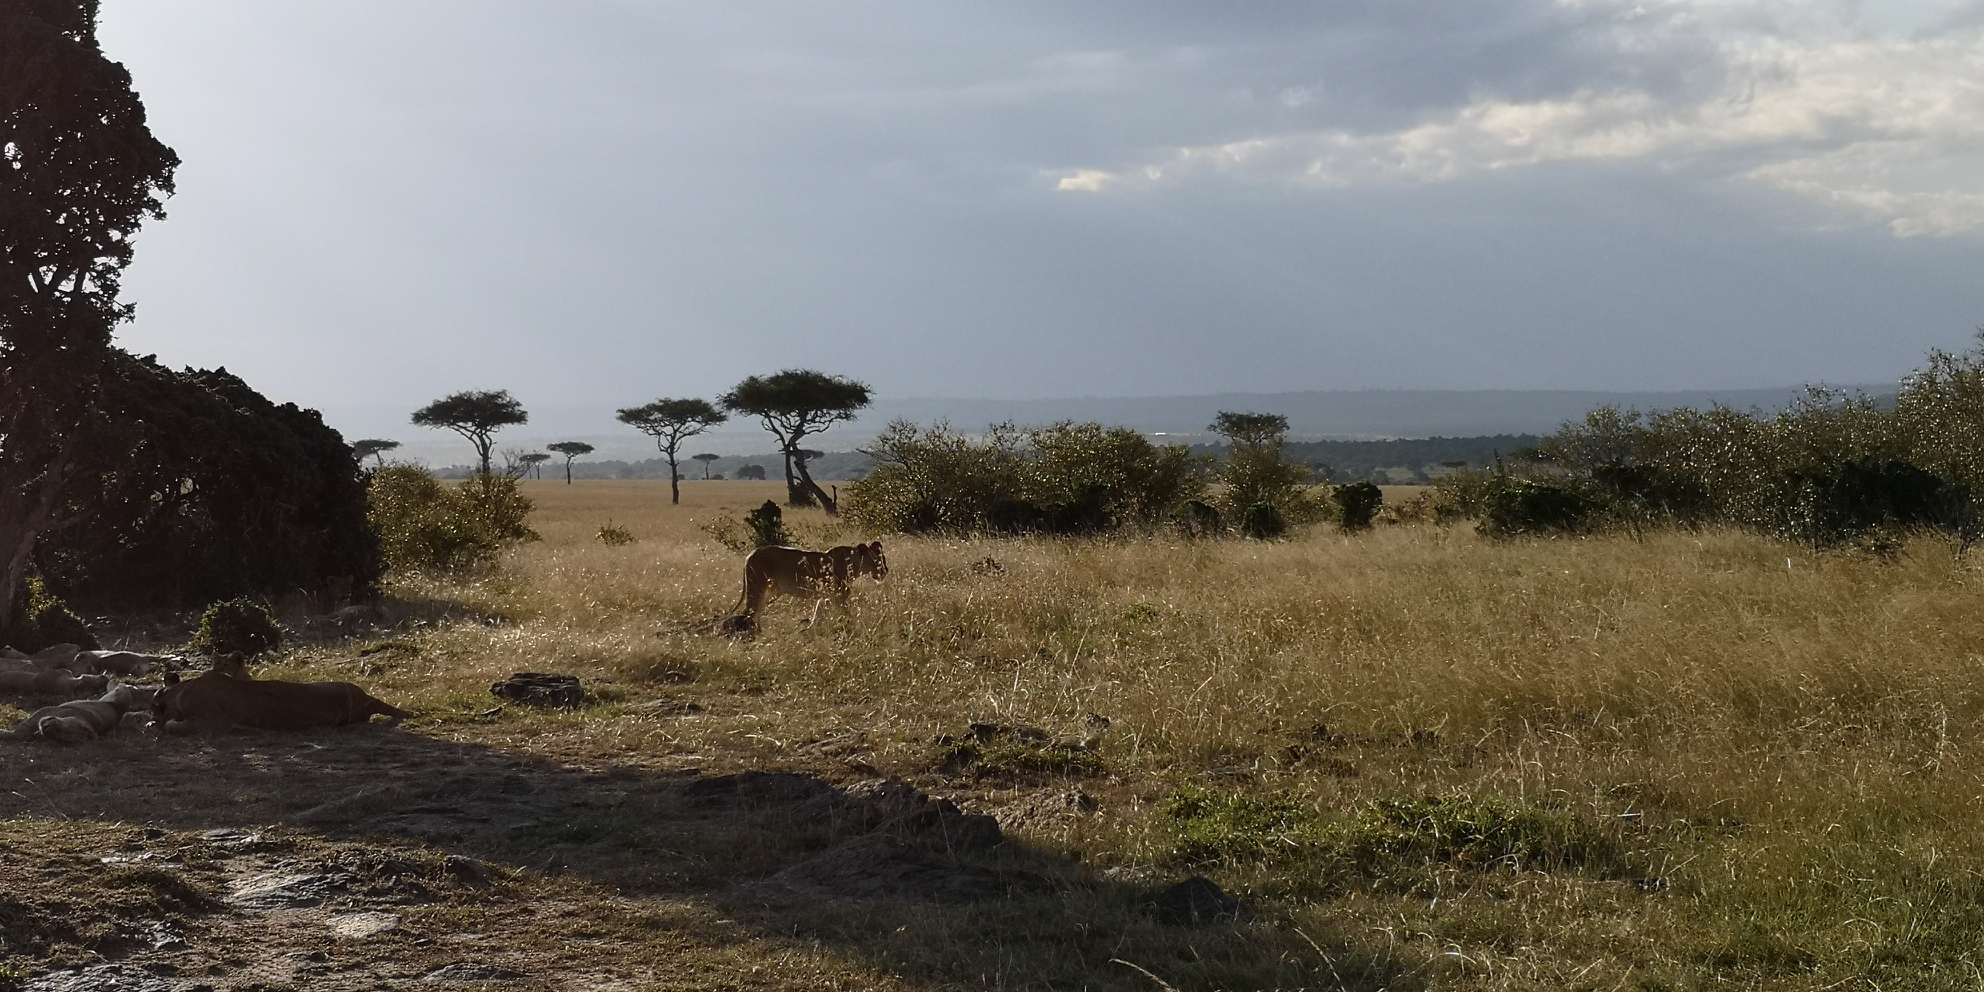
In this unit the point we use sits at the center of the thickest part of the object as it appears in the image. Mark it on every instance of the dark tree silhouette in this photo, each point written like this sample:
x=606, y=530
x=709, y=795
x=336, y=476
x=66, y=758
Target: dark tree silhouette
x=476, y=415
x=81, y=173
x=793, y=405
x=1250, y=428
x=752, y=472
x=534, y=463
x=670, y=422
x=571, y=450
x=706, y=458
x=374, y=448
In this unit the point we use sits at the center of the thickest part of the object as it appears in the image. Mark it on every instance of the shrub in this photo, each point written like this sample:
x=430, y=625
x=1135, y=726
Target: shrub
x=614, y=536
x=1834, y=504
x=1065, y=478
x=1262, y=521
x=425, y=526
x=237, y=625
x=767, y=525
x=43, y=620
x=1357, y=504
x=1529, y=506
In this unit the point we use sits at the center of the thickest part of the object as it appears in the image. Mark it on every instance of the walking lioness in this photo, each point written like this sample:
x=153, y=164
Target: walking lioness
x=798, y=572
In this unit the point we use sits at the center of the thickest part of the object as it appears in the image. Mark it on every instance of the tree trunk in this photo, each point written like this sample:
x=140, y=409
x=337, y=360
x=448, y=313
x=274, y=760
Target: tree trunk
x=568, y=471
x=791, y=483
x=674, y=481
x=25, y=512
x=806, y=478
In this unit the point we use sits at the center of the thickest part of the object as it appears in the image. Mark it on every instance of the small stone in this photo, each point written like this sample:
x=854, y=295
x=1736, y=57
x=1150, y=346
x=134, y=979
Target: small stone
x=467, y=871
x=358, y=926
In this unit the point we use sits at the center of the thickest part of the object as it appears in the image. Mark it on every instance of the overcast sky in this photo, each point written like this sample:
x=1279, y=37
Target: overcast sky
x=597, y=203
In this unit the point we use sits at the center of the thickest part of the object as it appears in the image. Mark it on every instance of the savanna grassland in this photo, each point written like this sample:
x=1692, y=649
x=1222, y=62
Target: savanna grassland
x=1425, y=759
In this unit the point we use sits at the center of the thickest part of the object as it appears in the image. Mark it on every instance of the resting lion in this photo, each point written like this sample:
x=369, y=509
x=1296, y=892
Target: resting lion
x=81, y=720
x=54, y=683
x=797, y=572
x=216, y=703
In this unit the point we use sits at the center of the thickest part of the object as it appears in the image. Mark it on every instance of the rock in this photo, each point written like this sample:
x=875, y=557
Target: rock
x=227, y=837
x=99, y=978
x=464, y=971
x=289, y=890
x=358, y=926
x=467, y=871
x=1196, y=901
x=541, y=689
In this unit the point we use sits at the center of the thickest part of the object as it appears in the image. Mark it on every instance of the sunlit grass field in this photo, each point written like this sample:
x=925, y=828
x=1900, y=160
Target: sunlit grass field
x=1425, y=759
x=1772, y=750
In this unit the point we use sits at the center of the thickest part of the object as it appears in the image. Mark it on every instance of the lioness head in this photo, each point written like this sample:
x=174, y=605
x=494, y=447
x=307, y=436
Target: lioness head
x=869, y=558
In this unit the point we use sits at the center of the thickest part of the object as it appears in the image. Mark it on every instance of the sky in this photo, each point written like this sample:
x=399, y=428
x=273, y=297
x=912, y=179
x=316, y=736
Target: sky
x=595, y=203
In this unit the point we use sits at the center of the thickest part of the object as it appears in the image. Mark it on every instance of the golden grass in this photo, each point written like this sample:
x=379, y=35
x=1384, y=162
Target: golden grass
x=1778, y=746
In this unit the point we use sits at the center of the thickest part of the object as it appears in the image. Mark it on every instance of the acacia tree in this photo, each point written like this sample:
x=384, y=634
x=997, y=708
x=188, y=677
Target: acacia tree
x=671, y=422
x=534, y=463
x=79, y=173
x=374, y=448
x=706, y=458
x=476, y=415
x=1262, y=486
x=571, y=450
x=793, y=405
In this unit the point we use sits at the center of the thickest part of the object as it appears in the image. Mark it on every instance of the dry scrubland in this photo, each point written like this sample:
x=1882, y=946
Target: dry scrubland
x=1427, y=760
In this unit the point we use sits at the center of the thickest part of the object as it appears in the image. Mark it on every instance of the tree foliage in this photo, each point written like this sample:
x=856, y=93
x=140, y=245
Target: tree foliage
x=571, y=450
x=795, y=404
x=208, y=491
x=671, y=422
x=80, y=171
x=476, y=415
x=374, y=448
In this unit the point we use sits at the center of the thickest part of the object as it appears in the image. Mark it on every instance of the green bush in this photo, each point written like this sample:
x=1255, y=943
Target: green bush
x=1529, y=506
x=1357, y=504
x=237, y=625
x=43, y=619
x=425, y=526
x=1065, y=478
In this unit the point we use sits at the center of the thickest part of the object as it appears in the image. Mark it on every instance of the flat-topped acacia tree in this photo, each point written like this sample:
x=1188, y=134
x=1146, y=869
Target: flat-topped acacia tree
x=793, y=405
x=671, y=422
x=79, y=173
x=475, y=414
x=374, y=448
x=571, y=450
x=706, y=458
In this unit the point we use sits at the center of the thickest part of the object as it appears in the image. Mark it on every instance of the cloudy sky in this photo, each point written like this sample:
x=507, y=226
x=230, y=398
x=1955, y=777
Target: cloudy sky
x=595, y=203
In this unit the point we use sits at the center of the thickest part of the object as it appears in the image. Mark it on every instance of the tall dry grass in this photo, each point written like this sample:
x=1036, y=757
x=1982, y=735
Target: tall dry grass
x=1780, y=744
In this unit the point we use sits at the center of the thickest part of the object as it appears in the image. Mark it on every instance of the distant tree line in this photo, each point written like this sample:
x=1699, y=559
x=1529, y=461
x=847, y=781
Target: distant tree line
x=1395, y=461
